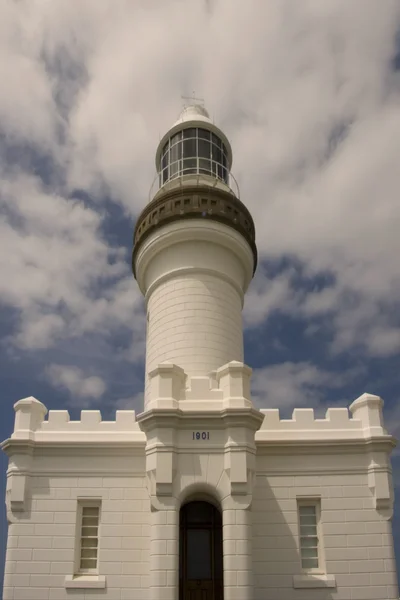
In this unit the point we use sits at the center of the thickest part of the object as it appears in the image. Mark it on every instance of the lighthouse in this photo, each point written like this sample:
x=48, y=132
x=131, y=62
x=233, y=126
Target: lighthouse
x=198, y=494
x=194, y=251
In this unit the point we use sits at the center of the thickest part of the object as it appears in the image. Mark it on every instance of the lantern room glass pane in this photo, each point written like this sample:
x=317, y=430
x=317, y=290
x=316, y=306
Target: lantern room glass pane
x=176, y=138
x=205, y=166
x=216, y=141
x=189, y=166
x=175, y=154
x=189, y=133
x=204, y=134
x=189, y=148
x=217, y=154
x=204, y=149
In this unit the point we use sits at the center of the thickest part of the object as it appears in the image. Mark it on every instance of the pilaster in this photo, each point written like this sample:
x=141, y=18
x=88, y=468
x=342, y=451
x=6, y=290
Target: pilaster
x=238, y=555
x=164, y=553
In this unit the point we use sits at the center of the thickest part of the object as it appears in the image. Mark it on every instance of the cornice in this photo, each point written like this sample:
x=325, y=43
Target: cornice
x=224, y=419
x=176, y=417
x=72, y=446
x=327, y=446
x=13, y=446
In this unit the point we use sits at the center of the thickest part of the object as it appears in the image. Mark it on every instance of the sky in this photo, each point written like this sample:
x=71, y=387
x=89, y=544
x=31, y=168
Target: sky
x=308, y=94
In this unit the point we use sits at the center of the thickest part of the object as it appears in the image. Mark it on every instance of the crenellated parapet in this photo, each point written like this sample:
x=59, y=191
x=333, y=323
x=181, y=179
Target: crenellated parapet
x=226, y=388
x=32, y=426
x=363, y=420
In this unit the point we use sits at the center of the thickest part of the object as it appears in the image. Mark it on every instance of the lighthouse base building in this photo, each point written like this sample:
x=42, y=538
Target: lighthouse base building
x=201, y=496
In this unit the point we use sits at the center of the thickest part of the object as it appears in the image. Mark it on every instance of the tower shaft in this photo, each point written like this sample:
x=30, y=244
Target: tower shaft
x=194, y=297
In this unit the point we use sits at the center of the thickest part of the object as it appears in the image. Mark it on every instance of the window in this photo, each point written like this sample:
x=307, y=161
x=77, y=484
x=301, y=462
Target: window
x=310, y=535
x=89, y=520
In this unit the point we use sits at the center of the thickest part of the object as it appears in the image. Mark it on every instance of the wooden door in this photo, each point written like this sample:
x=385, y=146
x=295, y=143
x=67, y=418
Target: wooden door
x=200, y=570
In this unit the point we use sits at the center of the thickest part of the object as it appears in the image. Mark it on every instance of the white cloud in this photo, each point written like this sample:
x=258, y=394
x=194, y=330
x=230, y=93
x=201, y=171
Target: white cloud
x=74, y=380
x=266, y=295
x=305, y=92
x=289, y=385
x=294, y=384
x=53, y=261
x=131, y=403
x=392, y=423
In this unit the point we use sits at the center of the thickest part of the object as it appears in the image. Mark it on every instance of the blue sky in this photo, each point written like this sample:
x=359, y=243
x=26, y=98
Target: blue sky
x=308, y=94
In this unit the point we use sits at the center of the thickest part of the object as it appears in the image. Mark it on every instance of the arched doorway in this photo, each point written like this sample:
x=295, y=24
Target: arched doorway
x=200, y=552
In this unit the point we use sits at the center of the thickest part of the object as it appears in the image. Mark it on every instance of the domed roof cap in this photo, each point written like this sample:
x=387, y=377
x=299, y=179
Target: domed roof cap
x=193, y=112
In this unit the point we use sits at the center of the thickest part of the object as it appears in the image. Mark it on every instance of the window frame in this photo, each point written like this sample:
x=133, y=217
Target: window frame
x=86, y=503
x=316, y=503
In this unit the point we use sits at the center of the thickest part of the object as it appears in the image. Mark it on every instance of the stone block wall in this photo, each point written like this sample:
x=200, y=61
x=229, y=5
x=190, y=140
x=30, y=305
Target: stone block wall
x=357, y=543
x=42, y=540
x=203, y=310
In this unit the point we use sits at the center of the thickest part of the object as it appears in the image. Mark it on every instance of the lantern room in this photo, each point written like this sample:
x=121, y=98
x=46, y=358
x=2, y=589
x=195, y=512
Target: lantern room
x=194, y=146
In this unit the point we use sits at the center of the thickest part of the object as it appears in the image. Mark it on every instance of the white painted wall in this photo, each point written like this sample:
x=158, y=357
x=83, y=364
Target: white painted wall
x=42, y=540
x=357, y=538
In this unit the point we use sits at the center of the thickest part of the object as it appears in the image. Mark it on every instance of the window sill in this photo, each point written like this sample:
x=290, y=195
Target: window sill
x=85, y=581
x=314, y=581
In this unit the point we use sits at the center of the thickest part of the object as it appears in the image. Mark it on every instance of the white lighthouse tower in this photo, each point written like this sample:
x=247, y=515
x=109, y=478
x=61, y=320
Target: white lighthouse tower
x=194, y=252
x=202, y=496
